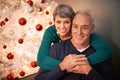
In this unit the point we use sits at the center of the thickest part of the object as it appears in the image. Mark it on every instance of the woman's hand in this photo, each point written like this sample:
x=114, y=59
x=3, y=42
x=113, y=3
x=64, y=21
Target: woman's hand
x=70, y=61
x=82, y=68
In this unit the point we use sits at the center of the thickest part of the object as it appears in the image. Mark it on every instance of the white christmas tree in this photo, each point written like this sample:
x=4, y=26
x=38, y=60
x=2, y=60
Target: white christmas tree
x=22, y=24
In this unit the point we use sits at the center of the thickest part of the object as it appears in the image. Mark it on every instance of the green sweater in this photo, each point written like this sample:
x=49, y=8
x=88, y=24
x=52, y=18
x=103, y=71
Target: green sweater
x=50, y=36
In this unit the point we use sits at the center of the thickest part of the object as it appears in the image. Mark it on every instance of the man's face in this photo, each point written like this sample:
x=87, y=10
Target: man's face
x=82, y=27
x=63, y=25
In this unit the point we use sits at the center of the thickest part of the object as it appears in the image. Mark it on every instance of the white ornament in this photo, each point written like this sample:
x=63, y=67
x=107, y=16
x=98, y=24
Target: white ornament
x=11, y=32
x=30, y=9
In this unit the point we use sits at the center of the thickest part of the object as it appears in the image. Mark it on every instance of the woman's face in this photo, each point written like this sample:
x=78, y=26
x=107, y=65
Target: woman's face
x=63, y=25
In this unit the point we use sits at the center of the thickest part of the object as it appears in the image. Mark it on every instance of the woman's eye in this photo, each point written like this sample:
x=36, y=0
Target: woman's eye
x=58, y=21
x=67, y=22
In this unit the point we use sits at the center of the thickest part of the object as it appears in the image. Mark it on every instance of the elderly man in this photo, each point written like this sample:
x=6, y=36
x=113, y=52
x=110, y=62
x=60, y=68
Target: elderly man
x=73, y=52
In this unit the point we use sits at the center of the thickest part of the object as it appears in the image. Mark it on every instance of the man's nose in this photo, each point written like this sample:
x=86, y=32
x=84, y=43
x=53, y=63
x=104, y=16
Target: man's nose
x=79, y=31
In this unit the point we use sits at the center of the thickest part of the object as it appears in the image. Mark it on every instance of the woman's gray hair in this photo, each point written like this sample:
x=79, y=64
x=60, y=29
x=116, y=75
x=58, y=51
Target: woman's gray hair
x=64, y=11
x=86, y=12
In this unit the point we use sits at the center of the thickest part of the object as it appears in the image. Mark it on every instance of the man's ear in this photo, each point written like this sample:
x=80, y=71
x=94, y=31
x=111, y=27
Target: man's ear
x=93, y=26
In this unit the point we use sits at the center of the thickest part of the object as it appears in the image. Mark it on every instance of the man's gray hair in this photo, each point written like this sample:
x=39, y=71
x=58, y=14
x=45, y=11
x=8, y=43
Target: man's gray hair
x=86, y=12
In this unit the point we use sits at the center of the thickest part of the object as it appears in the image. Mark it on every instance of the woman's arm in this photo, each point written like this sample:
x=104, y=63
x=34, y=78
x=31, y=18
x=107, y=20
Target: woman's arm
x=102, y=53
x=43, y=60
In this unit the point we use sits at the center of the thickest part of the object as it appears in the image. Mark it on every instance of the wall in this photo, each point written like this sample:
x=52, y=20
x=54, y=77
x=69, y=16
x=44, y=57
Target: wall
x=107, y=17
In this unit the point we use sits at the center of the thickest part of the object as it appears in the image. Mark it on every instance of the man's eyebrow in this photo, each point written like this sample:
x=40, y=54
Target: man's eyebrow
x=85, y=25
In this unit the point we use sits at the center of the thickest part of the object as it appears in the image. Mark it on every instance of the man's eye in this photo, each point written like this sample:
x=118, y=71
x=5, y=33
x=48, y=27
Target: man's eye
x=75, y=26
x=86, y=27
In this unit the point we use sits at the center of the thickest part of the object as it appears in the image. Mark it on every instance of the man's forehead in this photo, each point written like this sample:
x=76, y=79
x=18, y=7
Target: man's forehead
x=81, y=18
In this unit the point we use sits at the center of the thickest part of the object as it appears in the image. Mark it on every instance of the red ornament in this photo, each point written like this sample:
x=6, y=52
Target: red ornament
x=22, y=21
x=20, y=41
x=4, y=46
x=10, y=76
x=6, y=20
x=30, y=2
x=10, y=56
x=33, y=64
x=47, y=12
x=42, y=1
x=50, y=23
x=2, y=23
x=39, y=27
x=22, y=73
x=39, y=9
